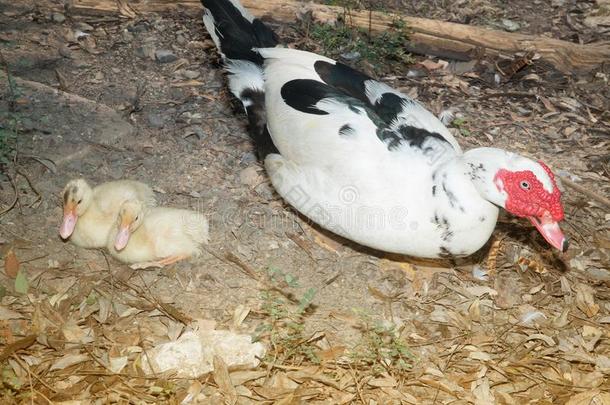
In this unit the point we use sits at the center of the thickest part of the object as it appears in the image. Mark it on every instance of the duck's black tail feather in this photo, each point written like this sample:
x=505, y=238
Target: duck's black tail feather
x=236, y=32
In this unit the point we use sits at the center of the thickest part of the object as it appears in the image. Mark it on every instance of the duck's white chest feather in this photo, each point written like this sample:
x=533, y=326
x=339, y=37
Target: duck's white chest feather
x=396, y=212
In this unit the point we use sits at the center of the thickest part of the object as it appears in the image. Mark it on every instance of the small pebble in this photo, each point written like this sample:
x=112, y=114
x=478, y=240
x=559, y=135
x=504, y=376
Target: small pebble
x=127, y=36
x=195, y=131
x=264, y=191
x=58, y=17
x=147, y=51
x=190, y=74
x=249, y=176
x=191, y=118
x=84, y=26
x=155, y=120
x=181, y=40
x=510, y=26
x=65, y=51
x=139, y=27
x=351, y=56
x=414, y=73
x=248, y=158
x=165, y=56
x=81, y=64
x=27, y=124
x=116, y=173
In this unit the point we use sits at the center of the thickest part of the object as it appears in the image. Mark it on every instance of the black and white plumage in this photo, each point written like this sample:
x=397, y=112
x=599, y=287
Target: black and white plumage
x=366, y=161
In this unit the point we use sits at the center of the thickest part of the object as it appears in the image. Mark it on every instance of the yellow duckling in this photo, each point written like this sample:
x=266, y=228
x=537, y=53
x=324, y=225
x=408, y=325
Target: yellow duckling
x=90, y=213
x=156, y=236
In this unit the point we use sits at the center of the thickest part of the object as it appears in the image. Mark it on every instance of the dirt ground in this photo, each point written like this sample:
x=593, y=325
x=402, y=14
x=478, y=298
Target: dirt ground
x=514, y=323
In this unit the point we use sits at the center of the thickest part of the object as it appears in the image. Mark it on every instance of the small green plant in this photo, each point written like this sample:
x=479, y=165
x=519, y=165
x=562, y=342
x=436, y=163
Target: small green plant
x=386, y=49
x=460, y=123
x=284, y=324
x=382, y=349
x=163, y=389
x=8, y=137
x=374, y=5
x=9, y=121
x=10, y=383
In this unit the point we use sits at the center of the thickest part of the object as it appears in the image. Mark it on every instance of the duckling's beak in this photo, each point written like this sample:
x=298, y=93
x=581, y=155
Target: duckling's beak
x=551, y=231
x=122, y=238
x=69, y=222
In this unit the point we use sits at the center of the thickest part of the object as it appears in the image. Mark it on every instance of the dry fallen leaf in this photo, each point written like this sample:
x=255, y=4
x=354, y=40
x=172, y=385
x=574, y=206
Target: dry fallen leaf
x=242, y=376
x=281, y=395
x=474, y=310
x=432, y=65
x=562, y=320
x=386, y=381
x=118, y=363
x=69, y=360
x=547, y=104
x=192, y=393
x=240, y=314
x=482, y=392
x=7, y=313
x=331, y=354
x=73, y=333
x=585, y=300
x=541, y=336
x=480, y=290
x=222, y=379
x=591, y=335
x=478, y=355
x=11, y=264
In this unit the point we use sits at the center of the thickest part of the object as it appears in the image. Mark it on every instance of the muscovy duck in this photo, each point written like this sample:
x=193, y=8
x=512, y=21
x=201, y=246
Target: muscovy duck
x=366, y=161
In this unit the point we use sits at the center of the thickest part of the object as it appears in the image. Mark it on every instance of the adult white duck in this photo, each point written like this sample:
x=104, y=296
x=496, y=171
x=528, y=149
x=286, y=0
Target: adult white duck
x=366, y=161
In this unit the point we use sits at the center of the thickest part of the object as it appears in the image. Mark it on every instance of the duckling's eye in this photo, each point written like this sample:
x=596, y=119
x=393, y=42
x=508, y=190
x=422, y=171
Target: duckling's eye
x=80, y=201
x=525, y=185
x=137, y=216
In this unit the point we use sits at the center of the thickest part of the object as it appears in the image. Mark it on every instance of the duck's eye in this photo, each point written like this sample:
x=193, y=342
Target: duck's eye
x=137, y=216
x=79, y=201
x=525, y=185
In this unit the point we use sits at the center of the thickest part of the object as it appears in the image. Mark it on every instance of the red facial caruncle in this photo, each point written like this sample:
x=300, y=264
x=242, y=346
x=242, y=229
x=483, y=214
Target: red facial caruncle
x=527, y=197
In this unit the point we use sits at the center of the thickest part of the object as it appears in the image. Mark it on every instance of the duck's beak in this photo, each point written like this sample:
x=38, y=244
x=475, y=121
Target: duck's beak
x=122, y=238
x=69, y=221
x=551, y=231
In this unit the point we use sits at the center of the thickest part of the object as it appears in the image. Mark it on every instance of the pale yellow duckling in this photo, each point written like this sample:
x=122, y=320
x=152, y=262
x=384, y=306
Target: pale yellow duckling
x=90, y=213
x=156, y=236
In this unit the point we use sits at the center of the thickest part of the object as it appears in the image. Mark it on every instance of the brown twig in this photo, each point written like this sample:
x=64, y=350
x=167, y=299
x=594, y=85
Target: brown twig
x=599, y=198
x=356, y=384
x=167, y=309
x=27, y=179
x=25, y=365
x=231, y=257
x=301, y=243
x=12, y=205
x=509, y=94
